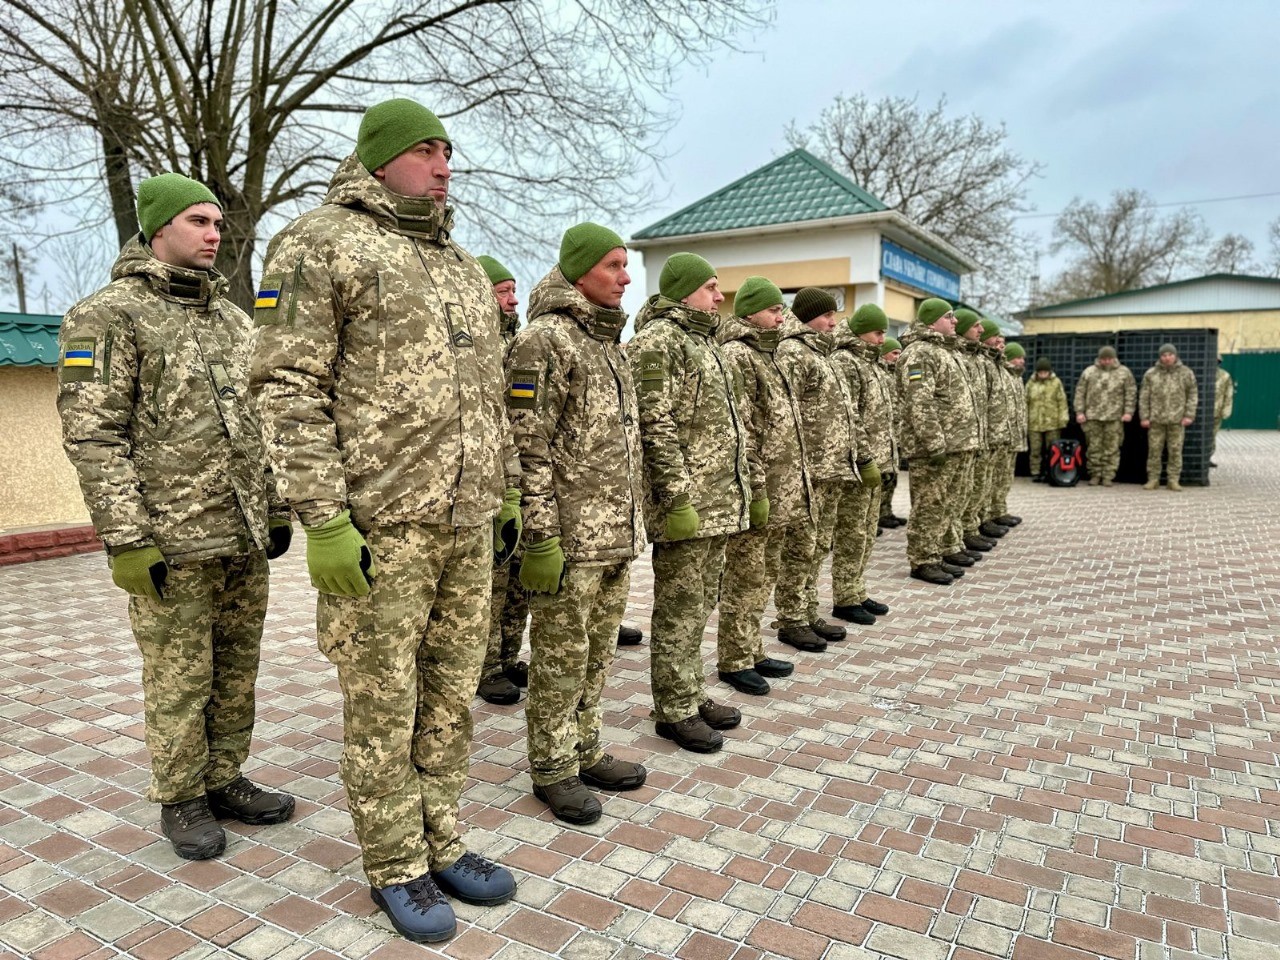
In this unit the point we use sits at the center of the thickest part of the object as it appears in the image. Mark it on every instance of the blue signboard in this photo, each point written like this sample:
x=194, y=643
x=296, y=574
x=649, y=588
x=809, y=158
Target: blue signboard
x=897, y=263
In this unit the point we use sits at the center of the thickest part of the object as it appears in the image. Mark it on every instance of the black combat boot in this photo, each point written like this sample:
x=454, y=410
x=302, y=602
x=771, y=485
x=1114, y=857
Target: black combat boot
x=854, y=613
x=932, y=573
x=958, y=559
x=190, y=827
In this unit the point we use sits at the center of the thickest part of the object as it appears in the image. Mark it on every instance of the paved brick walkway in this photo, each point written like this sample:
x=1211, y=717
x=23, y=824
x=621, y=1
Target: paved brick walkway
x=1070, y=754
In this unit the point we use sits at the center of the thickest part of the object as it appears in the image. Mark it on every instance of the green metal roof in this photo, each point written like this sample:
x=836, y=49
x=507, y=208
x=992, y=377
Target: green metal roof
x=29, y=339
x=794, y=188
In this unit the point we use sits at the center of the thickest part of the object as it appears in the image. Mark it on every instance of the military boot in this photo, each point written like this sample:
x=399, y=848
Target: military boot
x=974, y=555
x=974, y=542
x=989, y=528
x=958, y=559
x=243, y=801
x=932, y=573
x=518, y=673
x=746, y=681
x=719, y=716
x=629, y=636
x=473, y=879
x=1151, y=485
x=190, y=827
x=417, y=909
x=828, y=631
x=1008, y=520
x=854, y=613
x=949, y=568
x=875, y=607
x=570, y=801
x=499, y=690
x=771, y=667
x=1174, y=485
x=802, y=638
x=691, y=733
x=610, y=773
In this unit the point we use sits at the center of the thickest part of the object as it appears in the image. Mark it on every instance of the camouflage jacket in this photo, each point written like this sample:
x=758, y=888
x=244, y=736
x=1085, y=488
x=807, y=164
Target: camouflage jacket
x=1106, y=393
x=1168, y=394
x=871, y=389
x=1046, y=403
x=155, y=415
x=1006, y=410
x=826, y=416
x=771, y=418
x=695, y=444
x=1224, y=394
x=377, y=364
x=891, y=369
x=508, y=324
x=1018, y=395
x=573, y=412
x=986, y=389
x=938, y=407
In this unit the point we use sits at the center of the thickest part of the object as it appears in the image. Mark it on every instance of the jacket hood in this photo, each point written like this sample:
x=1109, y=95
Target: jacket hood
x=183, y=284
x=355, y=187
x=555, y=294
x=791, y=327
x=736, y=328
x=696, y=321
x=919, y=332
x=846, y=339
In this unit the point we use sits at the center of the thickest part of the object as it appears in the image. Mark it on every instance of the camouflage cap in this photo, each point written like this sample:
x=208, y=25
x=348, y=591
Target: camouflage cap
x=930, y=310
x=495, y=271
x=868, y=318
x=162, y=198
x=890, y=344
x=390, y=128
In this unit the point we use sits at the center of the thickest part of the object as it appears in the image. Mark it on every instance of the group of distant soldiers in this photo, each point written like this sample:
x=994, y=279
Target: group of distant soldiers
x=455, y=475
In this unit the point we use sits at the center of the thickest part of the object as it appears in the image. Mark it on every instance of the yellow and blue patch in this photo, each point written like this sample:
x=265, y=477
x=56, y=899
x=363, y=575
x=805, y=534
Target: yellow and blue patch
x=914, y=374
x=522, y=392
x=267, y=297
x=79, y=353
x=78, y=361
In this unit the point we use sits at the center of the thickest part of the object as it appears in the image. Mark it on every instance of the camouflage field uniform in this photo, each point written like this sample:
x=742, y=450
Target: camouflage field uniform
x=1016, y=427
x=938, y=419
x=509, y=607
x=974, y=492
x=378, y=370
x=871, y=397
x=826, y=420
x=579, y=444
x=158, y=425
x=1104, y=395
x=889, y=482
x=1224, y=395
x=775, y=451
x=1046, y=403
x=695, y=452
x=1168, y=396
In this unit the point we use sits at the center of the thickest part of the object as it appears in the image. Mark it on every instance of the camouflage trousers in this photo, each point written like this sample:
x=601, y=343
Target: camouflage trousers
x=743, y=595
x=932, y=506
x=1038, y=448
x=804, y=549
x=686, y=588
x=975, y=511
x=1002, y=464
x=888, y=484
x=409, y=656
x=1162, y=437
x=508, y=611
x=1102, y=447
x=967, y=482
x=1213, y=441
x=573, y=636
x=200, y=648
x=857, y=519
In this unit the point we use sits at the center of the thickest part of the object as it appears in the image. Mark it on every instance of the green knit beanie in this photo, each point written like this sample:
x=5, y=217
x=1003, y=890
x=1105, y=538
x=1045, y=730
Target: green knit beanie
x=682, y=274
x=392, y=127
x=890, y=344
x=966, y=318
x=811, y=303
x=868, y=318
x=989, y=329
x=756, y=294
x=495, y=271
x=1107, y=353
x=1041, y=364
x=1168, y=348
x=1014, y=350
x=583, y=246
x=930, y=310
x=162, y=198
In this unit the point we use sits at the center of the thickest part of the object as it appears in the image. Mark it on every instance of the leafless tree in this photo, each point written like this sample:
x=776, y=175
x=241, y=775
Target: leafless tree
x=553, y=104
x=1273, y=244
x=1232, y=253
x=1124, y=246
x=954, y=175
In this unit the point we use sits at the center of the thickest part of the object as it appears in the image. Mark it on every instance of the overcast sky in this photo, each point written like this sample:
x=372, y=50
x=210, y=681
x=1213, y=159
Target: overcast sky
x=1178, y=98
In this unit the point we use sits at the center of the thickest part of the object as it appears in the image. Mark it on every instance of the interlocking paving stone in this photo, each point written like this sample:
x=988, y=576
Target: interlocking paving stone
x=1069, y=754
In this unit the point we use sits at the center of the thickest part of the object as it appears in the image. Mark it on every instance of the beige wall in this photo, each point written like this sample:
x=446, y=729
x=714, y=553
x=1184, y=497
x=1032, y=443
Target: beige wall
x=833, y=272
x=37, y=484
x=1237, y=331
x=898, y=306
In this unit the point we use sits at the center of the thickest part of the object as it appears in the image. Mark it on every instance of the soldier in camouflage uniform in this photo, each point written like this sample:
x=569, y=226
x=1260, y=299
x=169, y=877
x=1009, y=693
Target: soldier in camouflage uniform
x=870, y=385
x=1224, y=395
x=1106, y=395
x=1009, y=429
x=939, y=432
x=504, y=673
x=1015, y=360
x=158, y=426
x=890, y=350
x=965, y=543
x=780, y=492
x=697, y=488
x=1166, y=407
x=826, y=420
x=378, y=369
x=573, y=411
x=1046, y=403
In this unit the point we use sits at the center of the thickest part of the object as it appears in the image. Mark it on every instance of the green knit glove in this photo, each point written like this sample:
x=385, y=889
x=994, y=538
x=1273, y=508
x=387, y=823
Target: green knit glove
x=937, y=460
x=870, y=474
x=280, y=535
x=507, y=526
x=682, y=522
x=759, y=513
x=542, y=566
x=140, y=572
x=338, y=559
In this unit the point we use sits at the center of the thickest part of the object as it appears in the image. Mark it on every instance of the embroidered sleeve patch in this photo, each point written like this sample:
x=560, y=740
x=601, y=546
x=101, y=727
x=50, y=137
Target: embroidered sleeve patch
x=522, y=391
x=78, y=359
x=914, y=374
x=651, y=370
x=276, y=301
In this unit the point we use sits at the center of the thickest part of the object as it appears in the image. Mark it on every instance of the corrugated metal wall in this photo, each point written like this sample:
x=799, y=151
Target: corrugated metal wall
x=1257, y=400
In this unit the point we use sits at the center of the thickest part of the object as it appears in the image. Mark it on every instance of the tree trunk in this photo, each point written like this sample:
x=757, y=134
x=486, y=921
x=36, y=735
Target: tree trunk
x=115, y=163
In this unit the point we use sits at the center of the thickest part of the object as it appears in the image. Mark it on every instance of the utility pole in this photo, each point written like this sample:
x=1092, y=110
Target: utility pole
x=18, y=282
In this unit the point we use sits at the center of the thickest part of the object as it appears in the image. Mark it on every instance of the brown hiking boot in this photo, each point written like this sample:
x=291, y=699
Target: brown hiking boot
x=802, y=638
x=610, y=773
x=570, y=801
x=828, y=631
x=691, y=733
x=719, y=716
x=242, y=800
x=190, y=827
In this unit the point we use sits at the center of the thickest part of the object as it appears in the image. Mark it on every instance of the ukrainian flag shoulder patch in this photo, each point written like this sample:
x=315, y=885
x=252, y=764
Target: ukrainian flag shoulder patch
x=79, y=353
x=273, y=295
x=522, y=391
x=914, y=374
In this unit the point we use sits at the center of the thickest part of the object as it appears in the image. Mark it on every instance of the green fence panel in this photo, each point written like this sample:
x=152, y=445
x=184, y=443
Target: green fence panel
x=1257, y=400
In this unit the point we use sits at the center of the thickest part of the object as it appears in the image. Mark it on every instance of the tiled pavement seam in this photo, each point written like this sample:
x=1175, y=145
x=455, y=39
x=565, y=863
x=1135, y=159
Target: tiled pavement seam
x=1070, y=754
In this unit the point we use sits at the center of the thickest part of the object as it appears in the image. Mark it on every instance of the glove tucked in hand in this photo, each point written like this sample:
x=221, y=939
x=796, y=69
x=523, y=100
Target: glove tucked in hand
x=507, y=526
x=682, y=522
x=759, y=513
x=937, y=460
x=542, y=566
x=870, y=474
x=140, y=572
x=338, y=559
x=280, y=533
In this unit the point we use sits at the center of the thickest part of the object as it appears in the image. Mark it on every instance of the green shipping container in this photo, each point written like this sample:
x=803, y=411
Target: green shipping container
x=1257, y=400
